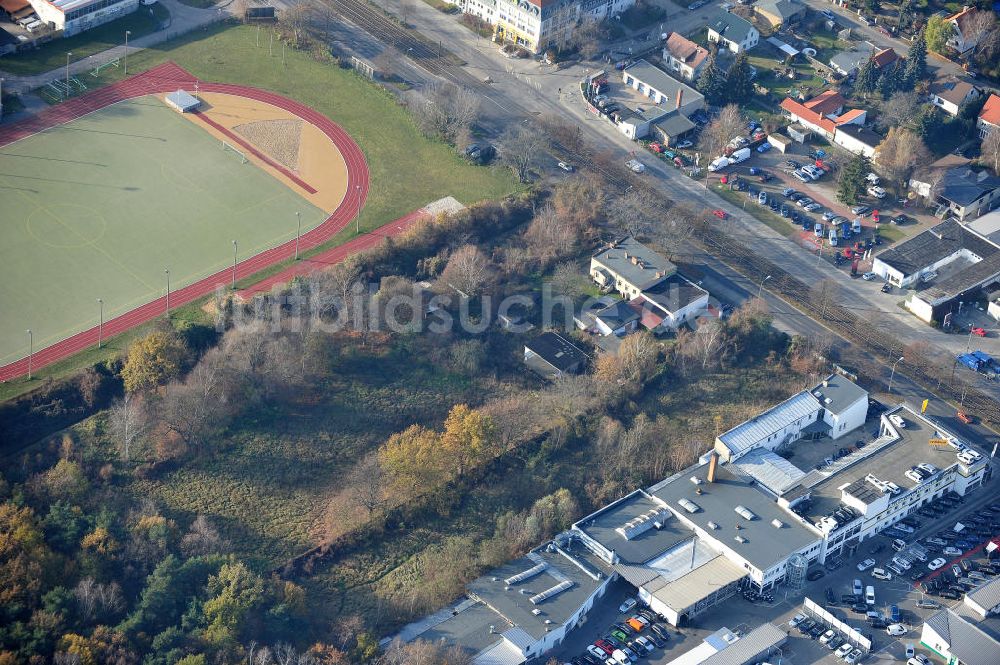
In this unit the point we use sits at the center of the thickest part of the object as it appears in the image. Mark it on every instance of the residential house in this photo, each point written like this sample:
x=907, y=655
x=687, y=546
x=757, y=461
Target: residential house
x=618, y=318
x=960, y=192
x=847, y=63
x=858, y=139
x=669, y=303
x=824, y=124
x=683, y=57
x=732, y=32
x=533, y=24
x=779, y=12
x=963, y=39
x=629, y=267
x=550, y=355
x=665, y=94
x=989, y=116
x=958, y=641
x=949, y=95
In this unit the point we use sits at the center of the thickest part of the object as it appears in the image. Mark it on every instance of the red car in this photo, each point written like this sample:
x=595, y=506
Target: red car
x=964, y=417
x=604, y=646
x=979, y=332
x=721, y=214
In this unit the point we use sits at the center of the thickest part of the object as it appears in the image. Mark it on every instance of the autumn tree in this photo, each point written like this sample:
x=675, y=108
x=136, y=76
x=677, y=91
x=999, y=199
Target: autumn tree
x=899, y=154
x=203, y=539
x=414, y=461
x=633, y=365
x=152, y=361
x=937, y=33
x=897, y=111
x=469, y=438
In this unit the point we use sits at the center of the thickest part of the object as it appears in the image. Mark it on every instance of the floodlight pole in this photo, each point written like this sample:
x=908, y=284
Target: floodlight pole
x=760, y=289
x=235, y=250
x=298, y=232
x=357, y=217
x=100, y=326
x=31, y=351
x=68, y=54
x=127, y=33
x=167, y=273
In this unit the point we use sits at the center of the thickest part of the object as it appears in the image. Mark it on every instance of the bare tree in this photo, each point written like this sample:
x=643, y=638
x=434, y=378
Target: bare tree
x=729, y=124
x=708, y=345
x=515, y=418
x=824, y=296
x=990, y=150
x=385, y=60
x=568, y=280
x=469, y=271
x=550, y=236
x=368, y=484
x=632, y=213
x=295, y=17
x=446, y=110
x=519, y=150
x=128, y=420
x=203, y=539
x=898, y=110
x=194, y=408
x=978, y=25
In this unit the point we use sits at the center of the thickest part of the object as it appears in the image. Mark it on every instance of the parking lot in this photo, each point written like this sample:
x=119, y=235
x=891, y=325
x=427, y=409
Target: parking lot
x=831, y=586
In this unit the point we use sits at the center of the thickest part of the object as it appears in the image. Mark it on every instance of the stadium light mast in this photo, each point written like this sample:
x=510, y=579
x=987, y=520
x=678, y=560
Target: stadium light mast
x=68, y=54
x=357, y=218
x=100, y=325
x=167, y=273
x=31, y=350
x=298, y=232
x=127, y=33
x=235, y=250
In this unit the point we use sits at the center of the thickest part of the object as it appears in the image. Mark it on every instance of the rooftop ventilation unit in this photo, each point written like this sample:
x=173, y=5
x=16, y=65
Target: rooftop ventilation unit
x=777, y=524
x=688, y=505
x=696, y=480
x=740, y=539
x=536, y=611
x=527, y=574
x=553, y=591
x=643, y=523
x=745, y=512
x=713, y=525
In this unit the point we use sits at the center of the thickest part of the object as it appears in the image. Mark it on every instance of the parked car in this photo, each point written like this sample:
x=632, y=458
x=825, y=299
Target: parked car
x=869, y=276
x=865, y=565
x=815, y=574
x=568, y=168
x=895, y=629
x=936, y=563
x=860, y=210
x=627, y=605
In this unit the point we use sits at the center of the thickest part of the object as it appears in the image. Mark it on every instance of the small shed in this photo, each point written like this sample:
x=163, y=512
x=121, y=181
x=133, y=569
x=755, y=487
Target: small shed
x=798, y=132
x=781, y=142
x=183, y=101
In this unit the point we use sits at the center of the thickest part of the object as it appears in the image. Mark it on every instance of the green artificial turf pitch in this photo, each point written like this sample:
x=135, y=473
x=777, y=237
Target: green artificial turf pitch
x=101, y=206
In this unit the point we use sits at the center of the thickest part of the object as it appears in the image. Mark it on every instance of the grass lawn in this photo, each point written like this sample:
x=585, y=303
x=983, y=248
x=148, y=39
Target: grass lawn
x=53, y=54
x=770, y=63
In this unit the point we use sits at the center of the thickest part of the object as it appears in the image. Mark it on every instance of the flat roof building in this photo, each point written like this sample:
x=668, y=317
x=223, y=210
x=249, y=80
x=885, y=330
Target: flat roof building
x=551, y=355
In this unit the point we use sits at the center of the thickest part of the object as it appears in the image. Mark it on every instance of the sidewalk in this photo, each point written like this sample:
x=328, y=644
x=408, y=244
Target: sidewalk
x=183, y=19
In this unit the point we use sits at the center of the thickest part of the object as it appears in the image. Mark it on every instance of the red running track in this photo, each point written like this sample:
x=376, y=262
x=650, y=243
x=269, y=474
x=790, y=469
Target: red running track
x=334, y=255
x=167, y=78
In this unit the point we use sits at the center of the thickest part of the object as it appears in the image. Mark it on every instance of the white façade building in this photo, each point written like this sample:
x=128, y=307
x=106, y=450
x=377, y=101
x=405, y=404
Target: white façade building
x=833, y=408
x=75, y=16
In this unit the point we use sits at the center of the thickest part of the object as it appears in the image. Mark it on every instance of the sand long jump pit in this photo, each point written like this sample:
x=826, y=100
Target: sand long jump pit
x=100, y=196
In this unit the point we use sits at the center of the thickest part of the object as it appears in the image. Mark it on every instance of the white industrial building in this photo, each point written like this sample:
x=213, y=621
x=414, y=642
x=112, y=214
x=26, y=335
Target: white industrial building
x=75, y=16
x=958, y=641
x=984, y=600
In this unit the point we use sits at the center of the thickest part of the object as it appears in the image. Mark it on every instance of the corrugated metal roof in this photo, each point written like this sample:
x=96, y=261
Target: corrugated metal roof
x=986, y=595
x=750, y=647
x=502, y=653
x=965, y=641
x=770, y=470
x=519, y=636
x=752, y=432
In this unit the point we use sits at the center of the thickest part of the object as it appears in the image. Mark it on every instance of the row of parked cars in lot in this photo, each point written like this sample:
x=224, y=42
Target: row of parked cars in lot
x=627, y=641
x=828, y=637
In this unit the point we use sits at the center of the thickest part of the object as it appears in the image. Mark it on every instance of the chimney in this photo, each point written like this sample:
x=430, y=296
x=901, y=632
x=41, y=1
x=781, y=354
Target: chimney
x=680, y=96
x=635, y=261
x=826, y=383
x=713, y=462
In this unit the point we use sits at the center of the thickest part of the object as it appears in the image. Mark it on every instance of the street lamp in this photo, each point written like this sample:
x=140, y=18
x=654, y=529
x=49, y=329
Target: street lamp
x=68, y=54
x=167, y=273
x=127, y=33
x=100, y=326
x=760, y=289
x=31, y=351
x=893, y=373
x=968, y=344
x=235, y=250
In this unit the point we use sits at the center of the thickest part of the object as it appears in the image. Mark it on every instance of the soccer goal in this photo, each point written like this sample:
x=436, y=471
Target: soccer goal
x=229, y=146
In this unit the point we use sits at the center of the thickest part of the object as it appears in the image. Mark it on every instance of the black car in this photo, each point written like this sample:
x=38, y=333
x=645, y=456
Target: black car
x=628, y=630
x=860, y=608
x=589, y=660
x=849, y=598
x=647, y=615
x=878, y=548
x=950, y=594
x=815, y=574
x=817, y=630
x=657, y=640
x=877, y=622
x=900, y=219
x=660, y=631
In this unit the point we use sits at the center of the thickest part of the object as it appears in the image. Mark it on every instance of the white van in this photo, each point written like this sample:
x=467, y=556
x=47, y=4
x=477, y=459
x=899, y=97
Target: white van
x=881, y=574
x=870, y=595
x=33, y=26
x=897, y=420
x=619, y=657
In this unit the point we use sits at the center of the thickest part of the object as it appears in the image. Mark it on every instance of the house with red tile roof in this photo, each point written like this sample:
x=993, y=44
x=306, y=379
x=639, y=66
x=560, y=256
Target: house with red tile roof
x=963, y=40
x=829, y=102
x=989, y=116
x=683, y=57
x=824, y=124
